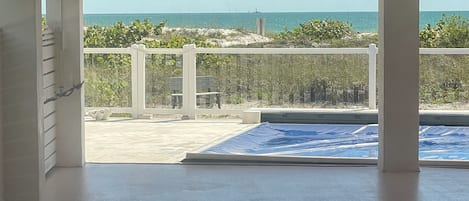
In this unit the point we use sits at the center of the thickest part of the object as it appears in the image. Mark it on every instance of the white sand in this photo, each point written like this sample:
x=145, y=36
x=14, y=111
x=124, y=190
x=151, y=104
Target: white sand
x=221, y=37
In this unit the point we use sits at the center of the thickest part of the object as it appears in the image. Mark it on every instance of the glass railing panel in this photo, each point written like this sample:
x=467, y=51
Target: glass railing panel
x=108, y=80
x=163, y=81
x=288, y=81
x=444, y=82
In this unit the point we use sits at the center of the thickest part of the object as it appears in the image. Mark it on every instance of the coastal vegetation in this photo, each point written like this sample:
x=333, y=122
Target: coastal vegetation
x=449, y=32
x=271, y=80
x=319, y=32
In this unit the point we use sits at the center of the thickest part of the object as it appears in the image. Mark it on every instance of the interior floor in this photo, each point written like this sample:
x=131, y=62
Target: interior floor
x=131, y=182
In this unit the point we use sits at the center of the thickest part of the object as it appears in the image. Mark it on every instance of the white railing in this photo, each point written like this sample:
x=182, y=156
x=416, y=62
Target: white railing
x=189, y=53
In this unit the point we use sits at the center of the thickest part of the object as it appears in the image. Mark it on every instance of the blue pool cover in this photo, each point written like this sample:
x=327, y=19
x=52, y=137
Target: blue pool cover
x=332, y=140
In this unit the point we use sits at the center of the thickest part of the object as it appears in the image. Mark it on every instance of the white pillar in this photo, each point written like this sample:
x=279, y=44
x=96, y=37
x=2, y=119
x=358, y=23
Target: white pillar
x=189, y=103
x=398, y=85
x=141, y=103
x=372, y=50
x=21, y=93
x=134, y=79
x=260, y=22
x=66, y=19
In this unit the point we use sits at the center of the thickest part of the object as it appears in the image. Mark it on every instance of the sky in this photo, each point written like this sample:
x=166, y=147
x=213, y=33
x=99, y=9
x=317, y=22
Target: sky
x=212, y=6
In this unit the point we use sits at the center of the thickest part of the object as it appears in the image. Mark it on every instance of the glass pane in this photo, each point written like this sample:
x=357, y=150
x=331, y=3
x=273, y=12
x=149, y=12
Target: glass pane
x=161, y=71
x=288, y=81
x=444, y=82
x=108, y=80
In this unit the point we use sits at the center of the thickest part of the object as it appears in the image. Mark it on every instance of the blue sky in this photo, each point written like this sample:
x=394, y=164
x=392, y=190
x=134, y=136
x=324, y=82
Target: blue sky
x=204, y=6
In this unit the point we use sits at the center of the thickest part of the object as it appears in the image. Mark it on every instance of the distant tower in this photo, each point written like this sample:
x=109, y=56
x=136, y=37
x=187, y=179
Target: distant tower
x=260, y=22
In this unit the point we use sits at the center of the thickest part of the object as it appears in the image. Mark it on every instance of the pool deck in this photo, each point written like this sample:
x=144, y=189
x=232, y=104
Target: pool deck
x=155, y=140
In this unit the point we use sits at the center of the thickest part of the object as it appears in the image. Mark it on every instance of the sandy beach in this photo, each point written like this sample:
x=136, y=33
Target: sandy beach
x=220, y=37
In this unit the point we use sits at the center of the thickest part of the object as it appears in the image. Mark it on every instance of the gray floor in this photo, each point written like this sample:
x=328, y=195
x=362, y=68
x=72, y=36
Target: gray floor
x=107, y=182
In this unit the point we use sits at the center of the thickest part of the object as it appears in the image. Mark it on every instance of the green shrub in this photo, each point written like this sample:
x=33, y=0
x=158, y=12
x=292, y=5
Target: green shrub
x=121, y=35
x=316, y=31
x=449, y=32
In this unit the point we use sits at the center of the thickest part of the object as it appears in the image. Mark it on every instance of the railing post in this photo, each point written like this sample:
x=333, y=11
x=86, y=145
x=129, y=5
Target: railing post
x=134, y=77
x=372, y=53
x=189, y=82
x=141, y=80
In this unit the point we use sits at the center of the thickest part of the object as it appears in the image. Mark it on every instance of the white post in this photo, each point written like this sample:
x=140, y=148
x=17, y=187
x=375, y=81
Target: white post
x=372, y=51
x=21, y=94
x=67, y=17
x=260, y=22
x=134, y=77
x=398, y=85
x=141, y=80
x=189, y=82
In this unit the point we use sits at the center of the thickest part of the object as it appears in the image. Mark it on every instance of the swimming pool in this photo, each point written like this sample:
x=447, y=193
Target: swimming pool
x=339, y=140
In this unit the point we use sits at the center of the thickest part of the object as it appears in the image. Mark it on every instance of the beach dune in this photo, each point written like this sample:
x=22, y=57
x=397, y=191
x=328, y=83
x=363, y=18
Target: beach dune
x=221, y=37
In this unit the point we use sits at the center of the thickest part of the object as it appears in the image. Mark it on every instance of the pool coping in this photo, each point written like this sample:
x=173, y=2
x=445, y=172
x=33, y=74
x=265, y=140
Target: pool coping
x=269, y=159
x=356, y=116
x=228, y=159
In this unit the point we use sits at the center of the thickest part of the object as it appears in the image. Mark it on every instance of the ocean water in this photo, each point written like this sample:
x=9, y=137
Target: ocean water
x=275, y=22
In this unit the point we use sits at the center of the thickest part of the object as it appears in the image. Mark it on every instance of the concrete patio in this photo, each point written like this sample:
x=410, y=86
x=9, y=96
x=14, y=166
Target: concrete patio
x=121, y=140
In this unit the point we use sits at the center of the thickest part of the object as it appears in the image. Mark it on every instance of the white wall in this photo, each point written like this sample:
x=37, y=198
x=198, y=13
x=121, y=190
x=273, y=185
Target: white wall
x=21, y=96
x=66, y=18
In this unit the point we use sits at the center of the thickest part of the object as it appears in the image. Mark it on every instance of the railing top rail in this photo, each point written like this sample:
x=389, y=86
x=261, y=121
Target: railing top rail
x=282, y=50
x=329, y=51
x=164, y=50
x=107, y=50
x=444, y=50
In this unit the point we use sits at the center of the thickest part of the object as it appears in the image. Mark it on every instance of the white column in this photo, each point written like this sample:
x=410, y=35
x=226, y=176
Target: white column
x=138, y=80
x=21, y=93
x=189, y=103
x=141, y=103
x=372, y=50
x=134, y=76
x=66, y=18
x=398, y=85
